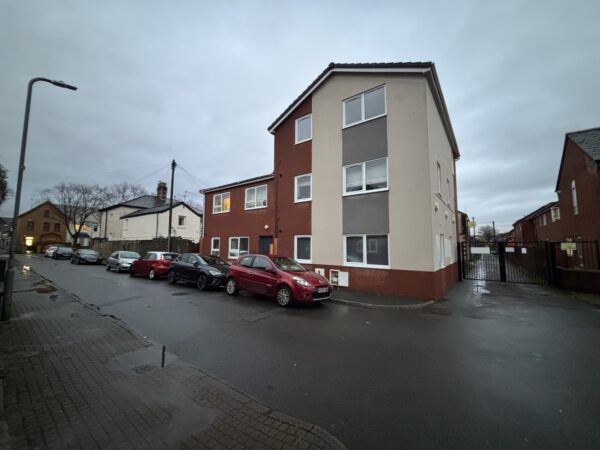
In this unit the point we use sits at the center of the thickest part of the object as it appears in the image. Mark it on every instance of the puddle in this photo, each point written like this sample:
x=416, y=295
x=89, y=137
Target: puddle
x=480, y=289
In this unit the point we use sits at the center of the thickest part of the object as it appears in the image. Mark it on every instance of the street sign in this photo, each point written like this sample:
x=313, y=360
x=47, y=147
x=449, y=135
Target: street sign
x=472, y=224
x=568, y=246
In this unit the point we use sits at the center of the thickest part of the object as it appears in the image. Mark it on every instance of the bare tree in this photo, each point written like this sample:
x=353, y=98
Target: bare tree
x=486, y=233
x=121, y=192
x=5, y=191
x=76, y=203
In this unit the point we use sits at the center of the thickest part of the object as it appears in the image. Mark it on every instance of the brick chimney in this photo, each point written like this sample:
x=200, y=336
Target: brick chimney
x=161, y=191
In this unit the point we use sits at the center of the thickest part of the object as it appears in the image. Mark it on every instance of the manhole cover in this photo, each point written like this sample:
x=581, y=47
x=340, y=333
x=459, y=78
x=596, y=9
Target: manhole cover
x=176, y=294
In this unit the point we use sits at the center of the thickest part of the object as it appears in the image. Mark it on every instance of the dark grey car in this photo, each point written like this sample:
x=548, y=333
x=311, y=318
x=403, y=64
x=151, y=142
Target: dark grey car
x=86, y=256
x=62, y=253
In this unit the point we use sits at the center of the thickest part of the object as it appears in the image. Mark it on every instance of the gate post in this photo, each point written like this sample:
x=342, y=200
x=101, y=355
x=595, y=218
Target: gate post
x=459, y=257
x=551, y=261
x=501, y=261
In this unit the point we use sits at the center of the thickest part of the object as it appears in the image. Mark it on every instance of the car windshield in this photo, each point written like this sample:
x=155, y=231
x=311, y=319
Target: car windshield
x=288, y=264
x=170, y=256
x=213, y=260
x=132, y=255
x=87, y=252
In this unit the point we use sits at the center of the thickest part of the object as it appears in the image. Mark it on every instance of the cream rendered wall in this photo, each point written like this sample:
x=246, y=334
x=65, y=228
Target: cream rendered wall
x=112, y=219
x=145, y=227
x=444, y=219
x=411, y=244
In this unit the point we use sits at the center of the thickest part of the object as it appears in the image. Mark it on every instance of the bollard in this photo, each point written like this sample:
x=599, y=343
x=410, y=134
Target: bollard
x=162, y=364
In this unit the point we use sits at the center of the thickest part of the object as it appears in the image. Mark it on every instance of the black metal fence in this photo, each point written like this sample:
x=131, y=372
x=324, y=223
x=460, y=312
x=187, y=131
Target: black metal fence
x=567, y=264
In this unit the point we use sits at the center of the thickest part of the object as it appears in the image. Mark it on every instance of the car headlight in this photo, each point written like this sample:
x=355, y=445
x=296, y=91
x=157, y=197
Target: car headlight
x=301, y=281
x=215, y=273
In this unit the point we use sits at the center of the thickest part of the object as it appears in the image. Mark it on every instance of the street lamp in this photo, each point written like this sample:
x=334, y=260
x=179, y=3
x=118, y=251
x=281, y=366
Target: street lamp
x=10, y=274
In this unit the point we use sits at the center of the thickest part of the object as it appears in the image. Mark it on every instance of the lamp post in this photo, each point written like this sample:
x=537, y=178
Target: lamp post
x=10, y=274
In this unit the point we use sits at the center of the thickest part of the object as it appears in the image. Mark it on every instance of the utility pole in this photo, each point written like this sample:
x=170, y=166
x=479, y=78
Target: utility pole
x=494, y=230
x=173, y=165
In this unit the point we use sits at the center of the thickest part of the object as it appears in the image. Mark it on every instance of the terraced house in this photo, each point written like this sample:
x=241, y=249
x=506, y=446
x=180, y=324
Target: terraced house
x=363, y=187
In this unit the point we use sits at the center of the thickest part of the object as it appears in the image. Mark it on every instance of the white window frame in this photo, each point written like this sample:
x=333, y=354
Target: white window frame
x=544, y=220
x=364, y=178
x=296, y=141
x=555, y=213
x=362, y=106
x=308, y=261
x=299, y=200
x=255, y=188
x=220, y=196
x=179, y=224
x=364, y=263
x=217, y=248
x=238, y=248
x=574, y=198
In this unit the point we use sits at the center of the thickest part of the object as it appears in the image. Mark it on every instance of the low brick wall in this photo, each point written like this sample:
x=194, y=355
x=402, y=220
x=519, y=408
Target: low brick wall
x=578, y=280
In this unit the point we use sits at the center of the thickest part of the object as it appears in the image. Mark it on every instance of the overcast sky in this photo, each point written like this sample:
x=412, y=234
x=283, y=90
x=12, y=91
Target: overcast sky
x=201, y=81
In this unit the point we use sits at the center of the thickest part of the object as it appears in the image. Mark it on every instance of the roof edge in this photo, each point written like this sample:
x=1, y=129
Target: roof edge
x=238, y=183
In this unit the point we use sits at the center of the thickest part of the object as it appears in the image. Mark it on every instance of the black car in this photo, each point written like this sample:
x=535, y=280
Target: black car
x=86, y=256
x=203, y=270
x=62, y=253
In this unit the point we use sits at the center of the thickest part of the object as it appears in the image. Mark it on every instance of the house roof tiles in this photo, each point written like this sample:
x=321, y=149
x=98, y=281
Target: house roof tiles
x=143, y=201
x=159, y=209
x=588, y=140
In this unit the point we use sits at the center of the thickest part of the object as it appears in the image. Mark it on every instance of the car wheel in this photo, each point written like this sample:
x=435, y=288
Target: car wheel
x=131, y=272
x=152, y=274
x=232, y=288
x=201, y=283
x=171, y=278
x=284, y=296
x=107, y=268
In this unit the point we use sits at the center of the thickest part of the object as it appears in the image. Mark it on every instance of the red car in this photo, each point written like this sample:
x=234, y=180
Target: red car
x=153, y=264
x=279, y=277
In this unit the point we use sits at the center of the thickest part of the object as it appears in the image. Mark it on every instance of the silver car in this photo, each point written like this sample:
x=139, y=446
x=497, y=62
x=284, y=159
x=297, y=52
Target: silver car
x=121, y=260
x=50, y=251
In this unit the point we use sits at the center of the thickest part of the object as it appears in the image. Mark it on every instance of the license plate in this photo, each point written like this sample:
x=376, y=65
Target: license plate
x=322, y=290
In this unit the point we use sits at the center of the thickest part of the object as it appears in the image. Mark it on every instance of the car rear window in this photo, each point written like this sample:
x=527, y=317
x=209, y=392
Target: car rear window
x=170, y=256
x=132, y=255
x=87, y=252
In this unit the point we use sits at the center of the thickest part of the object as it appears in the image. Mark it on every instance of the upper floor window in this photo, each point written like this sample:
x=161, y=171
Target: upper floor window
x=544, y=220
x=46, y=213
x=304, y=129
x=439, y=178
x=30, y=225
x=574, y=197
x=369, y=176
x=221, y=203
x=303, y=188
x=365, y=106
x=448, y=191
x=555, y=213
x=256, y=197
x=57, y=227
x=181, y=221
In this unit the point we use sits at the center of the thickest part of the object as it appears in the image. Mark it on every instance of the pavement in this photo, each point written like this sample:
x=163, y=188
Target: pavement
x=377, y=301
x=76, y=378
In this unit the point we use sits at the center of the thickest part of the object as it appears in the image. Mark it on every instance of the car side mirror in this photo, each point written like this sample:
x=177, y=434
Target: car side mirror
x=196, y=264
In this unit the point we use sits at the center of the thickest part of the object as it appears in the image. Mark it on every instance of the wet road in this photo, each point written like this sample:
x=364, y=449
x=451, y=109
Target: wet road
x=500, y=366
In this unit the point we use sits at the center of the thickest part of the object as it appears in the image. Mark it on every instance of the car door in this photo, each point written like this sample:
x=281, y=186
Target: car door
x=263, y=276
x=244, y=269
x=186, y=267
x=177, y=267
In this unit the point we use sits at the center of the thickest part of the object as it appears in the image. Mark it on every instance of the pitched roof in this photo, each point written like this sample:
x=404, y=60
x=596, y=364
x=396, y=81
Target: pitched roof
x=143, y=201
x=238, y=183
x=588, y=140
x=537, y=212
x=425, y=68
x=159, y=209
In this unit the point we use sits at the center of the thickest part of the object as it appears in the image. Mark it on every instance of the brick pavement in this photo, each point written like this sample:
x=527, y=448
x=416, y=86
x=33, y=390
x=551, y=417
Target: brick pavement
x=74, y=378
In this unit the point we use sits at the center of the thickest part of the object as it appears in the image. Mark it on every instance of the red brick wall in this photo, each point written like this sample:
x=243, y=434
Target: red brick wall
x=239, y=222
x=552, y=231
x=578, y=166
x=291, y=160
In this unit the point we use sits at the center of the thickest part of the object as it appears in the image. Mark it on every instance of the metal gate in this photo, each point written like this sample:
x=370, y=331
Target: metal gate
x=513, y=262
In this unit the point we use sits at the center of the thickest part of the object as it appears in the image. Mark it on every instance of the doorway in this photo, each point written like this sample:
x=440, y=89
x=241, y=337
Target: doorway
x=265, y=245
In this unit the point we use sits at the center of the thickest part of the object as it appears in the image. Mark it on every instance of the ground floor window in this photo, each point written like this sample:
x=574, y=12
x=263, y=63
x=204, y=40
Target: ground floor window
x=238, y=246
x=303, y=248
x=215, y=246
x=368, y=250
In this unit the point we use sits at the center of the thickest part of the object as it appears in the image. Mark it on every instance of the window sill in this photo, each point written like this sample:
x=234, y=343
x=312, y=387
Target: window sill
x=304, y=200
x=304, y=261
x=303, y=141
x=372, y=191
x=363, y=121
x=221, y=212
x=256, y=207
x=366, y=266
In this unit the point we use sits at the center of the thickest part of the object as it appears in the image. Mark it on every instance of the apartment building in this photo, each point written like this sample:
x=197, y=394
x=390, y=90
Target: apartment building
x=363, y=187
